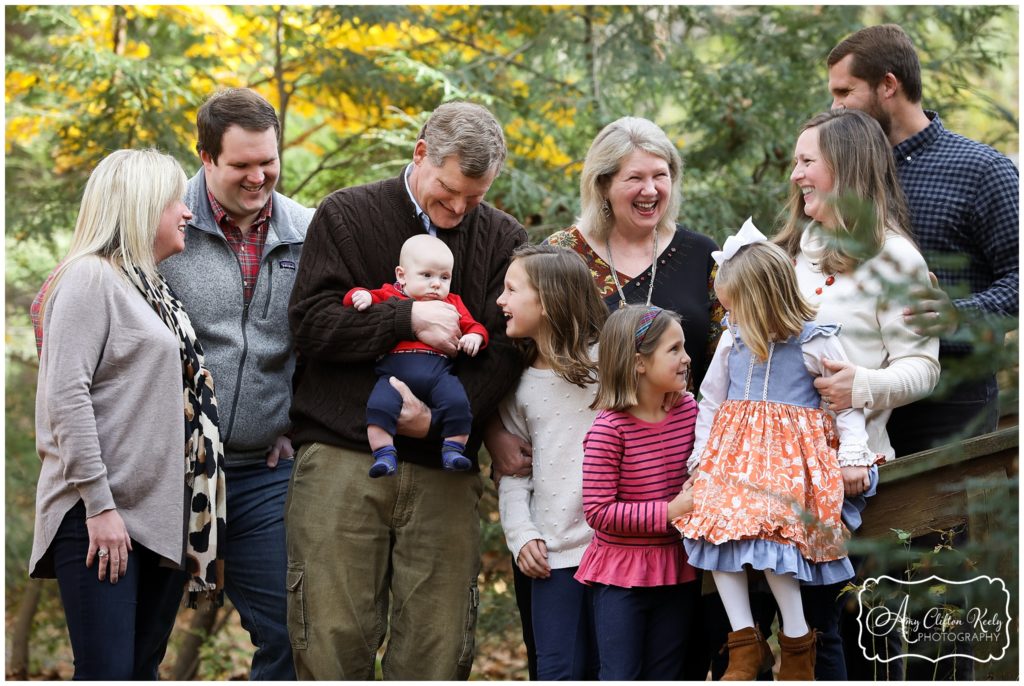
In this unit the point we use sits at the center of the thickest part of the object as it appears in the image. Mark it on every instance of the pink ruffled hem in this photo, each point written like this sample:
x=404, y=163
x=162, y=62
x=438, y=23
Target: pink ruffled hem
x=632, y=567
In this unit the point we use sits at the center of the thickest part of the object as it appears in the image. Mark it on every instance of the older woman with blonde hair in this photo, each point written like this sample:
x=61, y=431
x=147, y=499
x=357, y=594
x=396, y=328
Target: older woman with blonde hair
x=637, y=253
x=128, y=505
x=627, y=233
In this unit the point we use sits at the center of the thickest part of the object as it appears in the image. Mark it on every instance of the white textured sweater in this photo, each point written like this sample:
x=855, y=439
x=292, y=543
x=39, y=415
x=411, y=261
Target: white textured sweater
x=109, y=413
x=554, y=416
x=895, y=366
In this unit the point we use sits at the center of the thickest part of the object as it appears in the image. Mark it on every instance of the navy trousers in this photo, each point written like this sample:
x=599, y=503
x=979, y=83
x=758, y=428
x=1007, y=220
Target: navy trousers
x=430, y=379
x=118, y=631
x=641, y=632
x=256, y=563
x=564, y=628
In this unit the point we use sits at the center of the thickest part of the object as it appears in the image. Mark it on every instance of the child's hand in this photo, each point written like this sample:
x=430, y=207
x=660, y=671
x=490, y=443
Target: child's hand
x=681, y=504
x=361, y=300
x=855, y=480
x=470, y=343
x=533, y=560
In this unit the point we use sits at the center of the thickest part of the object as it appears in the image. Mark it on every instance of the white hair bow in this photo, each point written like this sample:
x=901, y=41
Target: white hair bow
x=747, y=234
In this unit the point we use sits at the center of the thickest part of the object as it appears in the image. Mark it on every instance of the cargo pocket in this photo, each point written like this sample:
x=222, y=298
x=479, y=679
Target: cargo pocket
x=296, y=606
x=468, y=639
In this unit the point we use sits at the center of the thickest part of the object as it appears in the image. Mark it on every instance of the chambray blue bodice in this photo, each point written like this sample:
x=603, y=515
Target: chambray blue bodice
x=783, y=378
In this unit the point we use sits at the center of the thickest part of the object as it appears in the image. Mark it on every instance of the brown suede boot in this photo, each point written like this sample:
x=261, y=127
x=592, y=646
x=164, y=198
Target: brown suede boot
x=798, y=656
x=749, y=655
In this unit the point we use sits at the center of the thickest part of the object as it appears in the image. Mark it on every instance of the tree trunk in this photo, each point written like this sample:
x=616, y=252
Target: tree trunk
x=22, y=630
x=200, y=629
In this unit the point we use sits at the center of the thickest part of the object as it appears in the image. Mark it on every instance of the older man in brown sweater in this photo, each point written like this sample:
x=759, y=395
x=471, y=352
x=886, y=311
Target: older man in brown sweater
x=357, y=545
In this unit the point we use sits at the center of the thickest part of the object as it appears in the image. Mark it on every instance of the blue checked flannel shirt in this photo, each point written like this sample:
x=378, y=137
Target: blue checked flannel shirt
x=963, y=199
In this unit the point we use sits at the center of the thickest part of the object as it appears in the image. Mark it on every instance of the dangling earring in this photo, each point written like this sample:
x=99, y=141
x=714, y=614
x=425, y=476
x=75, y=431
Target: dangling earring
x=606, y=209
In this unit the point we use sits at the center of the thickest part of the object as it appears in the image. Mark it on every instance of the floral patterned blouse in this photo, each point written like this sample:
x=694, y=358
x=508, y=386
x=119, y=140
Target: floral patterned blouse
x=684, y=282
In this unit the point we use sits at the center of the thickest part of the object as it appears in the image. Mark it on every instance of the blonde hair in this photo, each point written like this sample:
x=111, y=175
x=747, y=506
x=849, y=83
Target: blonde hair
x=121, y=207
x=866, y=199
x=573, y=311
x=760, y=284
x=619, y=381
x=612, y=145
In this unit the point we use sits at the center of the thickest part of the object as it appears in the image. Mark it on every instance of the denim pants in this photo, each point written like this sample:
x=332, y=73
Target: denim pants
x=118, y=631
x=563, y=625
x=524, y=601
x=641, y=632
x=368, y=554
x=255, y=563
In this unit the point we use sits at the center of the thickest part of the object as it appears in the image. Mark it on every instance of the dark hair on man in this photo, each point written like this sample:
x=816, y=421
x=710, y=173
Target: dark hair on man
x=233, y=107
x=879, y=50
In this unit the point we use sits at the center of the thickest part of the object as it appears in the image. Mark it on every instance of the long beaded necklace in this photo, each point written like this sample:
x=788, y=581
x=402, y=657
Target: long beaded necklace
x=615, y=274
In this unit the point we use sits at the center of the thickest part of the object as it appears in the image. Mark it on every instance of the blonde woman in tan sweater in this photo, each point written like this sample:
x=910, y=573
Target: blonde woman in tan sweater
x=128, y=506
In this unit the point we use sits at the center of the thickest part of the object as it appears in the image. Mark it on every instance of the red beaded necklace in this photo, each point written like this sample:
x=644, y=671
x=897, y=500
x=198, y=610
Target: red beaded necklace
x=829, y=280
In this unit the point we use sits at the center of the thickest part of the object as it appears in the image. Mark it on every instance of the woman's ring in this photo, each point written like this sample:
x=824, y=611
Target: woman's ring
x=102, y=552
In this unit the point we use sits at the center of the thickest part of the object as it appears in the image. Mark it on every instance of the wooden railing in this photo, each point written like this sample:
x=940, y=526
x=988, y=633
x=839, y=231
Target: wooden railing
x=950, y=486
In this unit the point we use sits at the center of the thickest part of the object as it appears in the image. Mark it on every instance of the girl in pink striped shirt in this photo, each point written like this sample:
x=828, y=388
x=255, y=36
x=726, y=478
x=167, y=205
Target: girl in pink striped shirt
x=634, y=467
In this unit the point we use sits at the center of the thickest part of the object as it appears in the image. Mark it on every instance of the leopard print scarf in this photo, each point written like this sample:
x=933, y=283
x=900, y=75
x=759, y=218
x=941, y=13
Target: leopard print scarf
x=204, y=453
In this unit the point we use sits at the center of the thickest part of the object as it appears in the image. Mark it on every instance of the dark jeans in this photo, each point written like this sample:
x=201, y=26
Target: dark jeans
x=641, y=632
x=524, y=601
x=256, y=562
x=971, y=409
x=564, y=628
x=822, y=608
x=118, y=631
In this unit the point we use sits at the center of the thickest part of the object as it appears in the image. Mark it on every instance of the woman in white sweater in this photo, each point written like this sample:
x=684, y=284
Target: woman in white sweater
x=128, y=505
x=855, y=260
x=846, y=230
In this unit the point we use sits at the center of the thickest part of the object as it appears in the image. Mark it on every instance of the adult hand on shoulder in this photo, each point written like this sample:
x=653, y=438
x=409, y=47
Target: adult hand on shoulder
x=414, y=419
x=109, y=543
x=436, y=324
x=510, y=455
x=281, y=450
x=932, y=312
x=856, y=480
x=533, y=560
x=836, y=388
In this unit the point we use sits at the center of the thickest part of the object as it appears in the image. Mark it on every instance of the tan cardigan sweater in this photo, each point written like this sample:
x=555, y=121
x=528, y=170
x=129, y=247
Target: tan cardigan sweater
x=109, y=413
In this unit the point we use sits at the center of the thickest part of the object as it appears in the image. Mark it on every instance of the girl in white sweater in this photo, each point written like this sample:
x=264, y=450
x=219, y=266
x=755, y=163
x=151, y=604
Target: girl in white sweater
x=553, y=308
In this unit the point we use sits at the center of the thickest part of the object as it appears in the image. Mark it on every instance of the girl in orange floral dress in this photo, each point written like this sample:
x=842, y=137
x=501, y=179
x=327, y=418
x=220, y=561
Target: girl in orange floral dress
x=768, y=483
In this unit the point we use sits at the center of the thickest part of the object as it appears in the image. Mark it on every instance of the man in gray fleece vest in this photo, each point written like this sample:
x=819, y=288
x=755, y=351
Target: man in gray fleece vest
x=235, y=278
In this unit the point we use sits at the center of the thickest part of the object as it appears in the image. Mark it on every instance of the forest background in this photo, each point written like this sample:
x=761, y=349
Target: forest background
x=352, y=85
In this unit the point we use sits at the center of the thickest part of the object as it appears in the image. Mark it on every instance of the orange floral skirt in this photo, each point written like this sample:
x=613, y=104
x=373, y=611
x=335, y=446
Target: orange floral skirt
x=770, y=472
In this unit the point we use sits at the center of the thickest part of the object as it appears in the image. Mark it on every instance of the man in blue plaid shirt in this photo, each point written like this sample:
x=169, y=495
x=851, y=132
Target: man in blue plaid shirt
x=963, y=199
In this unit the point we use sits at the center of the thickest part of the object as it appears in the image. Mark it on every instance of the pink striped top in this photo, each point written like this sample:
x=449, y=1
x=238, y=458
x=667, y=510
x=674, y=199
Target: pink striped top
x=631, y=470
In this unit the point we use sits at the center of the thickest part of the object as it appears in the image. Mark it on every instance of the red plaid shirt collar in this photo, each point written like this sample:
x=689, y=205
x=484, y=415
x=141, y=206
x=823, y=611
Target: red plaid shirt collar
x=249, y=247
x=220, y=215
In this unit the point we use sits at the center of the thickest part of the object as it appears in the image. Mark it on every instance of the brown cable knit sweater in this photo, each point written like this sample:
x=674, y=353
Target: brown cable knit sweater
x=355, y=239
